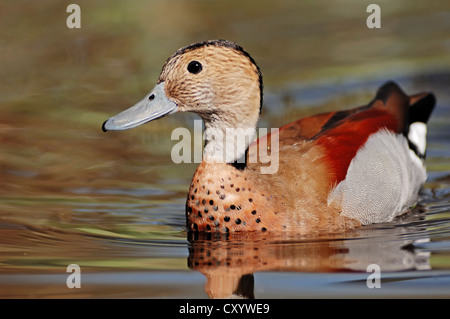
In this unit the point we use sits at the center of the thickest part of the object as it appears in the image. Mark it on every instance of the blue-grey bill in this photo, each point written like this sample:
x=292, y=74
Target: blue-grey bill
x=154, y=105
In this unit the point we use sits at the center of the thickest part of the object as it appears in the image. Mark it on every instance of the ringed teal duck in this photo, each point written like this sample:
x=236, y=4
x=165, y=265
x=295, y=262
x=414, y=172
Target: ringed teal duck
x=337, y=170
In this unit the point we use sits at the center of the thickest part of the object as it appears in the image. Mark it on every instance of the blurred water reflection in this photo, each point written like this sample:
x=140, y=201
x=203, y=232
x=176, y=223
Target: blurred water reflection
x=229, y=261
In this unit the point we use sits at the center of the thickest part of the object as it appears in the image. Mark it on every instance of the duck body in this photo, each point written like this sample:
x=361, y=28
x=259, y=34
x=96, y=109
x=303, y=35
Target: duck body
x=336, y=171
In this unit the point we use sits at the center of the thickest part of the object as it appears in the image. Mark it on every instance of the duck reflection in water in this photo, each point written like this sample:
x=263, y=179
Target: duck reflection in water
x=228, y=261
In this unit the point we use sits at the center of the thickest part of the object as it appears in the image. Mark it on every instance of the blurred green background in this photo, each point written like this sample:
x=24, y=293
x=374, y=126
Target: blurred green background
x=58, y=84
x=119, y=50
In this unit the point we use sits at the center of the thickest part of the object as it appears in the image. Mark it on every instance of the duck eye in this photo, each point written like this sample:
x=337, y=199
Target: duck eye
x=194, y=67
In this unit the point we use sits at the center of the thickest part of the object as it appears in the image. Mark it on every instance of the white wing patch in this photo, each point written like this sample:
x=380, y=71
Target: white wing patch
x=382, y=180
x=418, y=136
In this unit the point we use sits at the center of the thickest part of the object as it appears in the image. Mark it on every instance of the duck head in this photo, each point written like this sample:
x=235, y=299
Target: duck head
x=216, y=80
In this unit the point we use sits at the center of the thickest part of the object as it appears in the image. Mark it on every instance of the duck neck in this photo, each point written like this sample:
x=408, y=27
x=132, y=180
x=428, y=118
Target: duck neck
x=227, y=144
x=241, y=163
